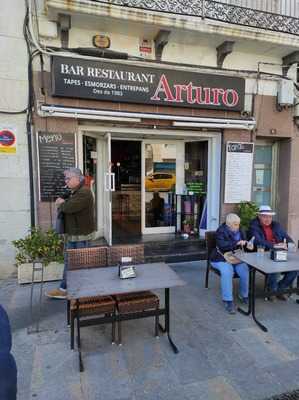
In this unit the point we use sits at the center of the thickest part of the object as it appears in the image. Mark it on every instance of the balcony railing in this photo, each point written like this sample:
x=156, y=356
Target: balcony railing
x=273, y=15
x=288, y=8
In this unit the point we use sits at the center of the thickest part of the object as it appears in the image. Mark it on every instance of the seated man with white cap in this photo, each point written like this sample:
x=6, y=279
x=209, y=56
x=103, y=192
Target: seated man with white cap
x=269, y=234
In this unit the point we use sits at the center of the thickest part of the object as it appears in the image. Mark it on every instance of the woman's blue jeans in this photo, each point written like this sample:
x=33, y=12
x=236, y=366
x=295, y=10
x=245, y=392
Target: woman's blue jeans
x=227, y=272
x=71, y=245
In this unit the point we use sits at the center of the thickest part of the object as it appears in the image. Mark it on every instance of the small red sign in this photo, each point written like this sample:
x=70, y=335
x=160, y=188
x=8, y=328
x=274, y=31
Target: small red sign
x=7, y=138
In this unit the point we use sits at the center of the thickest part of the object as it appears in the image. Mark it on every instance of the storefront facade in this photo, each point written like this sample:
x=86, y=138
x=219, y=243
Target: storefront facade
x=152, y=156
x=151, y=104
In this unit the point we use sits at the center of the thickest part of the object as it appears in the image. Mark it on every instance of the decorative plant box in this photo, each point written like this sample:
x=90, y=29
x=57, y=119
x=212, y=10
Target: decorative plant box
x=52, y=272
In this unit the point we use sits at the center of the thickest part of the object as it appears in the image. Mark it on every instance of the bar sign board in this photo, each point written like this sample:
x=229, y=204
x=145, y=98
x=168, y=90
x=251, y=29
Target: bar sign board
x=56, y=152
x=238, y=172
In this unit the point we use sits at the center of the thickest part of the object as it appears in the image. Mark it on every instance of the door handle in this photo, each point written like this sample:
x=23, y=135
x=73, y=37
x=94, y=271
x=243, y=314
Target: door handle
x=113, y=182
x=106, y=181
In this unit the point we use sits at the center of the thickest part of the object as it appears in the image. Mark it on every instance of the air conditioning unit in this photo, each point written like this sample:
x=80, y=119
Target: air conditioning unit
x=285, y=94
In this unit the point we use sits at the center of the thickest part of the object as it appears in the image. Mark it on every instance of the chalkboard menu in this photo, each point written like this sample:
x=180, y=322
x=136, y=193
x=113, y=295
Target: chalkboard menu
x=56, y=152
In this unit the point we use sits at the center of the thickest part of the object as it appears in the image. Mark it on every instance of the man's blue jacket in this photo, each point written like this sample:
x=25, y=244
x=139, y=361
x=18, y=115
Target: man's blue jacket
x=256, y=230
x=8, y=369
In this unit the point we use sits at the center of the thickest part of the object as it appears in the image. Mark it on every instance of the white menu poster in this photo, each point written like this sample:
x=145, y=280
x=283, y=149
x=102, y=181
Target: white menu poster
x=238, y=172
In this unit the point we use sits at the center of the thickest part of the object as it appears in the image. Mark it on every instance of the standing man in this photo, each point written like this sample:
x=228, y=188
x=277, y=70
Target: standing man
x=270, y=234
x=79, y=221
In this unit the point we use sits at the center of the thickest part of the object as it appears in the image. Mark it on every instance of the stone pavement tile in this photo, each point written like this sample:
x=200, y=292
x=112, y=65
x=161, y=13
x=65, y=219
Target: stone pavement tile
x=253, y=383
x=285, y=333
x=287, y=374
x=263, y=347
x=161, y=393
x=106, y=376
x=48, y=372
x=50, y=364
x=220, y=320
x=190, y=366
x=23, y=352
x=96, y=338
x=72, y=391
x=268, y=311
x=228, y=359
x=217, y=388
x=7, y=289
x=218, y=348
x=21, y=293
x=152, y=375
x=219, y=354
x=7, y=270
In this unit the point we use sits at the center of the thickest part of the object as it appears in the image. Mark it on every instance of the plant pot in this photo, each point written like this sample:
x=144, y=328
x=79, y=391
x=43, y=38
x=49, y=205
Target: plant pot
x=187, y=228
x=52, y=272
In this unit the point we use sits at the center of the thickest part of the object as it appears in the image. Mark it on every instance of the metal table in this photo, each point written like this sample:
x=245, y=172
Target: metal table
x=263, y=264
x=105, y=281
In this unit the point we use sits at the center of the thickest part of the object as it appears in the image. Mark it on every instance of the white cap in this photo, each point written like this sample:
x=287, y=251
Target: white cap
x=266, y=210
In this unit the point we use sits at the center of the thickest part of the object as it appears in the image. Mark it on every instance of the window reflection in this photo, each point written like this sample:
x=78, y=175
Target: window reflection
x=160, y=182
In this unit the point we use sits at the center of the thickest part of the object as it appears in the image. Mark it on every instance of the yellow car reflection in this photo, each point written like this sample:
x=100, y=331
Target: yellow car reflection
x=160, y=181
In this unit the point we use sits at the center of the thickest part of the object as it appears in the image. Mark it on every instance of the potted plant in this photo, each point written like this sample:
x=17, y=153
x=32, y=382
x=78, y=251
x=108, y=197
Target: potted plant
x=187, y=225
x=247, y=210
x=44, y=247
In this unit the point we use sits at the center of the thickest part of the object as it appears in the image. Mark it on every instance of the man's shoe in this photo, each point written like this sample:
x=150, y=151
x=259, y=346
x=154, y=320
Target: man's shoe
x=57, y=294
x=271, y=298
x=282, y=297
x=230, y=307
x=243, y=300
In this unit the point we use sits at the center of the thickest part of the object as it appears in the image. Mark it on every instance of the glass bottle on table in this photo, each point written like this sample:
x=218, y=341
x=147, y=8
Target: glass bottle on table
x=250, y=244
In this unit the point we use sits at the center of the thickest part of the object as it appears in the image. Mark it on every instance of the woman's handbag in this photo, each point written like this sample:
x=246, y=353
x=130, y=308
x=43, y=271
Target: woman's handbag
x=230, y=257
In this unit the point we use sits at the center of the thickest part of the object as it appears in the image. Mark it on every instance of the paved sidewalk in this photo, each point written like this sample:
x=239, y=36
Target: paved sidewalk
x=222, y=357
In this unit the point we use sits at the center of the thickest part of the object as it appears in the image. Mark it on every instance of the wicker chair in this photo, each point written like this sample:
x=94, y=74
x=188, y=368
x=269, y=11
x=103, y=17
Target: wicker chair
x=138, y=301
x=93, y=257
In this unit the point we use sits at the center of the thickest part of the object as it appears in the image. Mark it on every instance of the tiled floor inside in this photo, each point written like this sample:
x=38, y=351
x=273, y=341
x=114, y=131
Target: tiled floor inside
x=222, y=357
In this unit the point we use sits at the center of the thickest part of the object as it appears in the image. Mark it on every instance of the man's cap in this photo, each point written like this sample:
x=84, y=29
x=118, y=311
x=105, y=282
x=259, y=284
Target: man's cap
x=266, y=210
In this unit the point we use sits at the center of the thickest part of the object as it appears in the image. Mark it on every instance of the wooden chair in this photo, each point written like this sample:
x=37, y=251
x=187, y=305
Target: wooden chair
x=138, y=301
x=91, y=257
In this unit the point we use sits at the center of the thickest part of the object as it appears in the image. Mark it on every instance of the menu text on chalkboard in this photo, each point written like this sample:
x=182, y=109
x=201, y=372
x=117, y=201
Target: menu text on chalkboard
x=56, y=153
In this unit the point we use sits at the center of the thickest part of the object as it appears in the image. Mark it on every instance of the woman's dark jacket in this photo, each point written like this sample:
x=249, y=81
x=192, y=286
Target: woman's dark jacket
x=225, y=241
x=8, y=369
x=78, y=212
x=256, y=230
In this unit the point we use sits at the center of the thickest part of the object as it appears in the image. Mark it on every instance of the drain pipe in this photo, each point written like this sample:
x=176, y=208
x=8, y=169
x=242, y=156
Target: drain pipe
x=31, y=179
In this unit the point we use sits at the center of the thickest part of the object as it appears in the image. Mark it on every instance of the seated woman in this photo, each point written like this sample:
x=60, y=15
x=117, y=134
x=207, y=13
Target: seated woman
x=230, y=238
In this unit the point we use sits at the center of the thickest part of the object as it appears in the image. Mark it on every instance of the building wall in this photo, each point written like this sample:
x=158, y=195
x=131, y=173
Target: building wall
x=293, y=208
x=14, y=175
x=184, y=46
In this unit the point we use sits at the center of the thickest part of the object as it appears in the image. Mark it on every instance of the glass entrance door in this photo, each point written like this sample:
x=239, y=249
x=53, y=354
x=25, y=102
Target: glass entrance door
x=126, y=200
x=159, y=186
x=109, y=187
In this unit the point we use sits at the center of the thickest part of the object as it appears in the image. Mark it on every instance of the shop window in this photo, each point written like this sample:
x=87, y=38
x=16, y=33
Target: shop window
x=90, y=165
x=196, y=174
x=263, y=174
